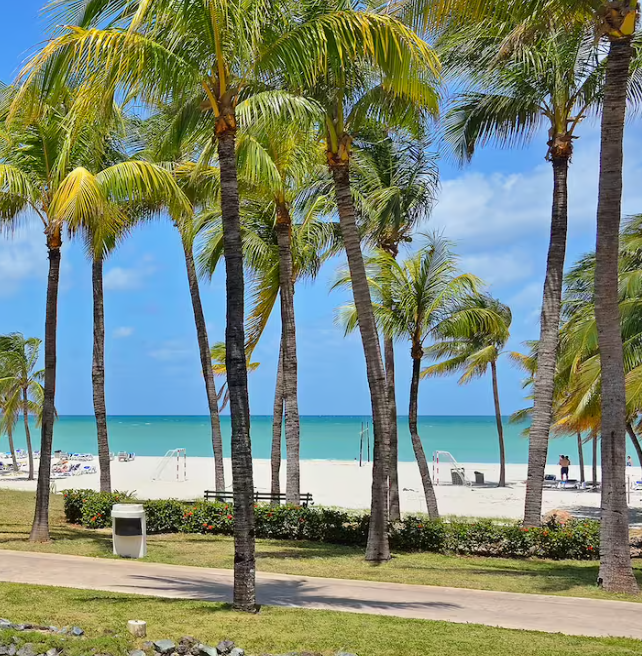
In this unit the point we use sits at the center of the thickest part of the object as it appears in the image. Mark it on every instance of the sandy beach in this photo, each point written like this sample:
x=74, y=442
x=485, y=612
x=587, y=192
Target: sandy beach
x=341, y=483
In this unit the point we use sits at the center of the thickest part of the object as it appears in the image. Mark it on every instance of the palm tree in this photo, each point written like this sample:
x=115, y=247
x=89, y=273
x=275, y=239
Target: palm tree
x=395, y=182
x=557, y=82
x=472, y=351
x=614, y=21
x=427, y=292
x=37, y=177
x=20, y=381
x=387, y=84
x=209, y=57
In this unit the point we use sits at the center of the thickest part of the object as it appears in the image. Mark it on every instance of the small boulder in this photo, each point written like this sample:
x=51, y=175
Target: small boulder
x=185, y=645
x=27, y=650
x=237, y=651
x=18, y=627
x=52, y=652
x=4, y=624
x=137, y=652
x=77, y=631
x=224, y=647
x=345, y=653
x=204, y=650
x=164, y=646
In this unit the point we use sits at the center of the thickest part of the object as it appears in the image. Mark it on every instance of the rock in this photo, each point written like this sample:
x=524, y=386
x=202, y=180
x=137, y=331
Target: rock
x=27, y=650
x=137, y=652
x=64, y=630
x=7, y=650
x=52, y=652
x=205, y=650
x=77, y=631
x=4, y=624
x=147, y=645
x=164, y=646
x=345, y=653
x=237, y=651
x=138, y=628
x=13, y=650
x=18, y=627
x=185, y=645
x=557, y=517
x=224, y=647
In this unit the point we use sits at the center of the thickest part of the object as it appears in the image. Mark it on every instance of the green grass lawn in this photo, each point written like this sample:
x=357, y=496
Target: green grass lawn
x=572, y=578
x=279, y=630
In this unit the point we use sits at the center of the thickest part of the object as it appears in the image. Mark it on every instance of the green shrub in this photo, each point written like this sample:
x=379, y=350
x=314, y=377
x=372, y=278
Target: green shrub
x=576, y=539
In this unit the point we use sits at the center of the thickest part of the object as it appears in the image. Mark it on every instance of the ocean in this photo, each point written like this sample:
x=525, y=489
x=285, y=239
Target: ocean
x=467, y=438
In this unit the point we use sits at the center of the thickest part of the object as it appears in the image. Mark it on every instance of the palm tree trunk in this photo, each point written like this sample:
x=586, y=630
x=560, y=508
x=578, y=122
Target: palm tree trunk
x=235, y=362
x=290, y=364
x=615, y=574
x=277, y=427
x=635, y=441
x=429, y=490
x=206, y=364
x=40, y=528
x=98, y=375
x=580, y=457
x=594, y=472
x=25, y=416
x=12, y=448
x=378, y=548
x=389, y=351
x=547, y=352
x=500, y=427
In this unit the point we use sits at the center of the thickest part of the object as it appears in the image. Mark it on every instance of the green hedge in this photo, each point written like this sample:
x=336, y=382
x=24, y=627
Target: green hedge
x=575, y=540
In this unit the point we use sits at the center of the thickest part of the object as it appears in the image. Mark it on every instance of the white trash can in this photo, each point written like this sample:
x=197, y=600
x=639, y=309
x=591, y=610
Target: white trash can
x=129, y=530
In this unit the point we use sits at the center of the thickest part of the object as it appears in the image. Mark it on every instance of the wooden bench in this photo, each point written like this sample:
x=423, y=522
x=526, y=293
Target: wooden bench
x=211, y=495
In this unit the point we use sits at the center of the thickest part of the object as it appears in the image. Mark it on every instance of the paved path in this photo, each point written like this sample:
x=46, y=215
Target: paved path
x=590, y=617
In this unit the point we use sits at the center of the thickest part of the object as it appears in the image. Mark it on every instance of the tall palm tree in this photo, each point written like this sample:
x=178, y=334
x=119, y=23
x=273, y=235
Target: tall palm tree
x=20, y=380
x=464, y=348
x=395, y=182
x=210, y=57
x=43, y=174
x=387, y=85
x=555, y=82
x=427, y=293
x=614, y=22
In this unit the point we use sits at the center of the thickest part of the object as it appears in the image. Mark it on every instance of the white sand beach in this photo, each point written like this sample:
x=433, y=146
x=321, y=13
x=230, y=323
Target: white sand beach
x=341, y=483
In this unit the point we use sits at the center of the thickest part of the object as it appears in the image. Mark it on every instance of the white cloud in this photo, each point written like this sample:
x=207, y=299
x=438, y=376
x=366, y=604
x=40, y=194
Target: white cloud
x=124, y=279
x=528, y=302
x=170, y=351
x=123, y=332
x=23, y=256
x=499, y=269
x=490, y=210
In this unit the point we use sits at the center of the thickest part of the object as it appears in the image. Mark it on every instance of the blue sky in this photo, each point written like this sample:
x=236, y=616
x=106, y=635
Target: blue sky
x=497, y=210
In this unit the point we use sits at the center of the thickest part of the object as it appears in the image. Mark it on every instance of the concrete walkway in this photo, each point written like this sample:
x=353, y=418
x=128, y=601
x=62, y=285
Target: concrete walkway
x=573, y=616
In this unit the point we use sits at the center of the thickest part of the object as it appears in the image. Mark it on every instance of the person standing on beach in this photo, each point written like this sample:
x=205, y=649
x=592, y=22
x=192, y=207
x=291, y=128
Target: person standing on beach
x=565, y=463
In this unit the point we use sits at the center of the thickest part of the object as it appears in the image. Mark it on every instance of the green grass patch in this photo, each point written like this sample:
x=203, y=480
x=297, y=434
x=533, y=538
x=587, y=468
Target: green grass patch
x=571, y=578
x=279, y=630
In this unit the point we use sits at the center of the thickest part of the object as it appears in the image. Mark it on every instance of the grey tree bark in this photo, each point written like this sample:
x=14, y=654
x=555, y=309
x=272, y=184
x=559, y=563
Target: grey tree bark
x=594, y=471
x=98, y=374
x=290, y=362
x=393, y=473
x=580, y=457
x=616, y=574
x=25, y=416
x=500, y=426
x=277, y=428
x=547, y=352
x=40, y=527
x=235, y=362
x=206, y=363
x=424, y=472
x=378, y=548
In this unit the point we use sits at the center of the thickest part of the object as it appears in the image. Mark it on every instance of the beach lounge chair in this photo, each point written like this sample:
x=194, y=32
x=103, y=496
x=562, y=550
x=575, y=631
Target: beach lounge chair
x=550, y=481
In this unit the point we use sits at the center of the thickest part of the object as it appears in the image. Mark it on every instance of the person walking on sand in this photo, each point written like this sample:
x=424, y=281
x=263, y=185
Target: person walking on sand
x=629, y=462
x=564, y=463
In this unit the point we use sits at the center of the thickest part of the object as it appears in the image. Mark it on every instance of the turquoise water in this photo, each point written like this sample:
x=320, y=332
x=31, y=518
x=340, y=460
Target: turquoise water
x=469, y=439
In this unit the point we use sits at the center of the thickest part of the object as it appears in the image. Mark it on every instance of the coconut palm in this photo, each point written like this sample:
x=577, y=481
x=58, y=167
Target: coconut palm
x=210, y=57
x=554, y=82
x=43, y=173
x=20, y=381
x=614, y=22
x=427, y=300
x=395, y=183
x=472, y=351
